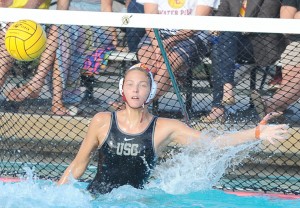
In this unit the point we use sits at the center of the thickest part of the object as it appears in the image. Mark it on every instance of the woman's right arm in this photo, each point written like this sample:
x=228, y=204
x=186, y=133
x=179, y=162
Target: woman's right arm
x=94, y=137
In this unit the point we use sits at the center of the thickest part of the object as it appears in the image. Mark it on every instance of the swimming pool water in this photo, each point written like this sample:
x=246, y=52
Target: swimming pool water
x=37, y=194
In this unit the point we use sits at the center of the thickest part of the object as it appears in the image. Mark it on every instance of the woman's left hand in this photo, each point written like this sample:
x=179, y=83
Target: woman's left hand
x=271, y=132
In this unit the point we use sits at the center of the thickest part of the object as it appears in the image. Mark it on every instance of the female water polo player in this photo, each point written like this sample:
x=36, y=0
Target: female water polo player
x=129, y=141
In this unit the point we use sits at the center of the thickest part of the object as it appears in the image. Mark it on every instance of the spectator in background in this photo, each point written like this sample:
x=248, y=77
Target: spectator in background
x=133, y=35
x=289, y=90
x=65, y=54
x=234, y=47
x=184, y=48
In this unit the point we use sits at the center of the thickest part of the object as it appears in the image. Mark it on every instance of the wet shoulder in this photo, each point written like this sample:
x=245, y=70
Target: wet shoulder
x=102, y=118
x=166, y=123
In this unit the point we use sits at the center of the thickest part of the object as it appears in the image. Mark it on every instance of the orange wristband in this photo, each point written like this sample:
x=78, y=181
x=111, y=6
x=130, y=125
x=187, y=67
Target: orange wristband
x=257, y=129
x=263, y=122
x=257, y=132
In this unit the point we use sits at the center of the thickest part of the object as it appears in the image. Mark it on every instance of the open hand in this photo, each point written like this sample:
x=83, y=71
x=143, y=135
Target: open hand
x=271, y=132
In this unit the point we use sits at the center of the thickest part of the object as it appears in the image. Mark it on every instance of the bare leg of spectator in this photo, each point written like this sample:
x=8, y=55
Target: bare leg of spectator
x=158, y=67
x=216, y=114
x=147, y=55
x=289, y=91
x=228, y=95
x=223, y=58
x=57, y=105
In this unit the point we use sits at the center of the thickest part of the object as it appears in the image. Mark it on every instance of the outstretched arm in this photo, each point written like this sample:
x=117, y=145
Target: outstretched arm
x=262, y=131
x=182, y=134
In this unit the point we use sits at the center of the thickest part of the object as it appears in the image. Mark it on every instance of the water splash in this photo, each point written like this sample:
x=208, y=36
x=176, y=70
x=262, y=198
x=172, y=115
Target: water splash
x=35, y=193
x=199, y=166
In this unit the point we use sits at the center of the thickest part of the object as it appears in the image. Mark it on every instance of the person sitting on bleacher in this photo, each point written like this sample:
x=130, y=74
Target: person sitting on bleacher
x=65, y=50
x=246, y=48
x=289, y=90
x=184, y=48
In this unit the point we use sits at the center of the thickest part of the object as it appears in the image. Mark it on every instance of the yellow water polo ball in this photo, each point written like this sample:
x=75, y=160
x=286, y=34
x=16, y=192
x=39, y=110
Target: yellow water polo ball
x=25, y=40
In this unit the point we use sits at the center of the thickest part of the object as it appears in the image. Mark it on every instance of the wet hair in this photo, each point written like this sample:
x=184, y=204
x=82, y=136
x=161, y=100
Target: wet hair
x=141, y=69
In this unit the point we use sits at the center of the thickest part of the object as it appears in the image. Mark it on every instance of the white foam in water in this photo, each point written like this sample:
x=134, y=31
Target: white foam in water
x=35, y=194
x=199, y=166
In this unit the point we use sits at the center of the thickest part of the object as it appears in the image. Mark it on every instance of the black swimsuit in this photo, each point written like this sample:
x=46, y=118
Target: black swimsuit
x=124, y=159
